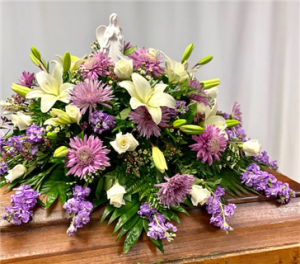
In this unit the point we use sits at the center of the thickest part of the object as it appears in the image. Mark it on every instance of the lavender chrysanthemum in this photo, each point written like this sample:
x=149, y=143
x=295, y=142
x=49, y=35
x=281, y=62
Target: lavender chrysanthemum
x=88, y=94
x=175, y=190
x=26, y=79
x=209, y=144
x=86, y=155
x=101, y=122
x=200, y=96
x=143, y=59
x=34, y=133
x=236, y=113
x=145, y=124
x=100, y=65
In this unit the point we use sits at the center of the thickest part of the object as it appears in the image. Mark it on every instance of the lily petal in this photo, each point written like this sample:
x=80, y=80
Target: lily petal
x=216, y=120
x=162, y=99
x=159, y=88
x=57, y=73
x=35, y=93
x=129, y=86
x=47, y=102
x=135, y=103
x=142, y=86
x=47, y=83
x=155, y=113
x=65, y=87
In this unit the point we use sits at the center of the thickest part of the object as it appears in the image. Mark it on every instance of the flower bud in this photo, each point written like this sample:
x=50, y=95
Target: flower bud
x=123, y=69
x=115, y=195
x=232, y=122
x=21, y=120
x=66, y=62
x=187, y=53
x=210, y=83
x=251, y=148
x=36, y=53
x=199, y=195
x=159, y=159
x=205, y=60
x=191, y=129
x=35, y=60
x=20, y=90
x=179, y=122
x=51, y=135
x=60, y=152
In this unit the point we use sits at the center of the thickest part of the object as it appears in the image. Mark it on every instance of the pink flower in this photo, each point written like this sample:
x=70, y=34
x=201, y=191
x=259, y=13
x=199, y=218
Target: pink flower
x=88, y=94
x=236, y=113
x=86, y=155
x=209, y=144
x=200, y=96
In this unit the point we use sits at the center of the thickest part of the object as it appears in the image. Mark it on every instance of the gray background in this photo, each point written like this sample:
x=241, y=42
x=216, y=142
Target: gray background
x=255, y=47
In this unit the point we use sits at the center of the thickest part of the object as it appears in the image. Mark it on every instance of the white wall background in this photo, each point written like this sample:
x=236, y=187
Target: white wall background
x=255, y=47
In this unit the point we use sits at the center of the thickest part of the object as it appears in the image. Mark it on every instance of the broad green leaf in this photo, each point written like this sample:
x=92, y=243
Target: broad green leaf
x=109, y=208
x=2, y=182
x=179, y=209
x=100, y=201
x=169, y=214
x=51, y=196
x=124, y=113
x=61, y=187
x=125, y=217
x=12, y=184
x=99, y=187
x=107, y=183
x=81, y=135
x=130, y=223
x=127, y=197
x=40, y=203
x=158, y=243
x=129, y=51
x=188, y=202
x=133, y=235
x=190, y=114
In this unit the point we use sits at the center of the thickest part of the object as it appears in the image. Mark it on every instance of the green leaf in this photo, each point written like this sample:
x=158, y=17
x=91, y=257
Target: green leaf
x=129, y=51
x=2, y=182
x=179, y=209
x=125, y=228
x=158, y=243
x=61, y=187
x=57, y=160
x=190, y=114
x=52, y=196
x=81, y=135
x=107, y=183
x=127, y=197
x=133, y=235
x=40, y=203
x=100, y=201
x=169, y=214
x=124, y=113
x=12, y=184
x=99, y=187
x=125, y=217
x=106, y=212
x=188, y=203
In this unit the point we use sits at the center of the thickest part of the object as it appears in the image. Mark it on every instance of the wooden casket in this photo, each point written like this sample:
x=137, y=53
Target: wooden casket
x=264, y=232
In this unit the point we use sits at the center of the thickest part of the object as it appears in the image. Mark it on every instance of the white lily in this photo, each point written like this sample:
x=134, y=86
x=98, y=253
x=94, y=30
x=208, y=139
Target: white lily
x=212, y=119
x=75, y=62
x=143, y=95
x=176, y=71
x=51, y=88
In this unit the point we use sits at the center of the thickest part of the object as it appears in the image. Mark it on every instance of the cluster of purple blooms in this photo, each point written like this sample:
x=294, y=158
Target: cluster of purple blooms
x=238, y=134
x=219, y=212
x=264, y=181
x=23, y=202
x=26, y=79
x=201, y=96
x=101, y=122
x=3, y=167
x=158, y=227
x=264, y=158
x=180, y=108
x=34, y=133
x=78, y=208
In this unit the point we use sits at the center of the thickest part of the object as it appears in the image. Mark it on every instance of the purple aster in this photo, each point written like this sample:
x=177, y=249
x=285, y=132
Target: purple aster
x=145, y=124
x=26, y=79
x=34, y=133
x=143, y=59
x=100, y=65
x=86, y=155
x=175, y=190
x=200, y=96
x=3, y=167
x=101, y=122
x=180, y=108
x=209, y=144
x=88, y=94
x=236, y=113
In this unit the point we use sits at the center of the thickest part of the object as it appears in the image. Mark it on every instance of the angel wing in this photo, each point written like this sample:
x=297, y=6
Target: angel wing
x=99, y=34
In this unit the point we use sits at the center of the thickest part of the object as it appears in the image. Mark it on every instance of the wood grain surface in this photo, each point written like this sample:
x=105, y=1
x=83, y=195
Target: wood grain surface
x=264, y=232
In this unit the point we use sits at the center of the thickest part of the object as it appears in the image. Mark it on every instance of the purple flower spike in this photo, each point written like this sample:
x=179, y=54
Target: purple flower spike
x=101, y=122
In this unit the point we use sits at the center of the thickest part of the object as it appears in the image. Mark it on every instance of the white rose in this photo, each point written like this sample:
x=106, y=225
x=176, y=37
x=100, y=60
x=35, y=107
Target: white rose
x=15, y=173
x=21, y=121
x=252, y=148
x=74, y=112
x=115, y=194
x=199, y=195
x=123, y=69
x=124, y=143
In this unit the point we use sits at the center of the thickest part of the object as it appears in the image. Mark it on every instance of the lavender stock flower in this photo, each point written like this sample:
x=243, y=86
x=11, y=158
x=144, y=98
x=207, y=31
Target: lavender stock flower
x=3, y=167
x=34, y=133
x=101, y=122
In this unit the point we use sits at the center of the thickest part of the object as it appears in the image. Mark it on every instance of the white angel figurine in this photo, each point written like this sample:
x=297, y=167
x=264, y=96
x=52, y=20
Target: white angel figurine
x=111, y=39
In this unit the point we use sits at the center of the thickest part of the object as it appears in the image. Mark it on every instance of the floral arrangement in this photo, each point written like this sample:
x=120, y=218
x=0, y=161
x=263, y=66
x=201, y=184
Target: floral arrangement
x=140, y=136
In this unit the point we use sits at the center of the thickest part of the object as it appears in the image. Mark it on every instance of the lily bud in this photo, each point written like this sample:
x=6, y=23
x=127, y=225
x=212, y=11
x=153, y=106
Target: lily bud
x=179, y=122
x=66, y=62
x=61, y=152
x=51, y=135
x=210, y=83
x=36, y=53
x=205, y=60
x=187, y=53
x=159, y=159
x=20, y=90
x=35, y=60
x=62, y=117
x=191, y=129
x=232, y=122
